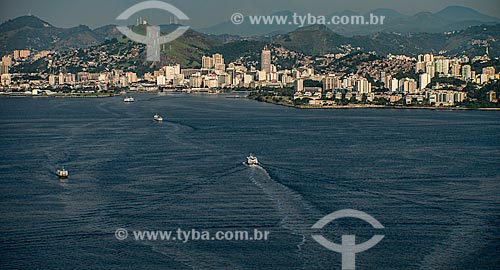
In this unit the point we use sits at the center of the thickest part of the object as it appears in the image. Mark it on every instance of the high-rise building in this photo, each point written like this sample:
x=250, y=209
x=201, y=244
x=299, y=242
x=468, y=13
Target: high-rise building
x=490, y=71
x=430, y=69
x=423, y=79
x=170, y=71
x=218, y=59
x=394, y=83
x=466, y=72
x=178, y=80
x=207, y=62
x=299, y=85
x=363, y=86
x=161, y=80
x=455, y=69
x=407, y=86
x=420, y=67
x=265, y=60
x=442, y=65
x=331, y=82
x=4, y=68
x=60, y=79
x=52, y=80
x=21, y=54
x=131, y=77
x=381, y=76
x=428, y=58
x=195, y=80
x=7, y=60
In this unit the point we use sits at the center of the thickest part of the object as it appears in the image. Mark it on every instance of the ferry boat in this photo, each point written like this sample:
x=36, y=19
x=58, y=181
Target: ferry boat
x=62, y=173
x=158, y=118
x=252, y=160
x=128, y=99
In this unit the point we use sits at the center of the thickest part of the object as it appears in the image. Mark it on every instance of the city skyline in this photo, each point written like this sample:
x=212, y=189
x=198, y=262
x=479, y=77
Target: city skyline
x=69, y=14
x=370, y=86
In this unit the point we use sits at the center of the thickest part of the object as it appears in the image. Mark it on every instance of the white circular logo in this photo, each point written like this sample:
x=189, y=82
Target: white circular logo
x=121, y=234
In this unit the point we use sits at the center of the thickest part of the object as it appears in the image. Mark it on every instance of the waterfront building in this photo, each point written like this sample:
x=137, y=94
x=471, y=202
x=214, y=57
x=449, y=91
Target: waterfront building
x=446, y=97
x=161, y=80
x=331, y=82
x=492, y=96
x=5, y=79
x=131, y=77
x=299, y=85
x=363, y=86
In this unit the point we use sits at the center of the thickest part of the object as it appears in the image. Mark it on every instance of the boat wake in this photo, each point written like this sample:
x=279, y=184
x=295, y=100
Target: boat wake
x=297, y=215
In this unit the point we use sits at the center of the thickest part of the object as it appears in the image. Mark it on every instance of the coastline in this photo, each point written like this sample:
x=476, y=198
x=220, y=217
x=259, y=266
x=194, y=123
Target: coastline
x=372, y=106
x=60, y=96
x=304, y=107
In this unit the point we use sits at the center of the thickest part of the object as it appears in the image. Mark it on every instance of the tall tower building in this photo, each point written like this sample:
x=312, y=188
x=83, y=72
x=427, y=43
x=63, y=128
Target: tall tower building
x=265, y=60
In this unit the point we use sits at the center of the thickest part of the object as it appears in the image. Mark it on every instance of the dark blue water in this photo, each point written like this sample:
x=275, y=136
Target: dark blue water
x=430, y=177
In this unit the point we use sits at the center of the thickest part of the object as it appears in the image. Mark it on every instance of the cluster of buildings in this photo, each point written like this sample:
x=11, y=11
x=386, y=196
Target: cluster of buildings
x=369, y=85
x=414, y=90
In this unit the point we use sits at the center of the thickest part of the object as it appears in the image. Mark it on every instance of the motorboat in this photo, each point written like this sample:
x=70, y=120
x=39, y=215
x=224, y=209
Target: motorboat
x=128, y=99
x=158, y=118
x=62, y=173
x=252, y=160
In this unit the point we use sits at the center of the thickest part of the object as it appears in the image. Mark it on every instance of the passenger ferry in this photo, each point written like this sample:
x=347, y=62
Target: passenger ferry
x=62, y=173
x=252, y=160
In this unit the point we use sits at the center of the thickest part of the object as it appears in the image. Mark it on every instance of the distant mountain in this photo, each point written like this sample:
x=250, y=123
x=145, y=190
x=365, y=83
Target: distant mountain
x=24, y=21
x=459, y=13
x=108, y=32
x=318, y=40
x=389, y=14
x=449, y=19
x=452, y=18
x=31, y=32
x=312, y=40
x=247, y=29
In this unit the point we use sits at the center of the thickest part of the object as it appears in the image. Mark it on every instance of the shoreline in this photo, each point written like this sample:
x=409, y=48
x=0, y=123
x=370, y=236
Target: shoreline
x=58, y=96
x=302, y=107
x=371, y=106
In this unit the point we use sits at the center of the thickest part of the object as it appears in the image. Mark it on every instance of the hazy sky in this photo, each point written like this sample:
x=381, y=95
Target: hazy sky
x=204, y=13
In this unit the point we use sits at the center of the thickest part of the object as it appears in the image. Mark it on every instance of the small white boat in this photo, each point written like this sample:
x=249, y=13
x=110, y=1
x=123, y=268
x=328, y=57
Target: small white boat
x=62, y=173
x=252, y=160
x=158, y=118
x=128, y=99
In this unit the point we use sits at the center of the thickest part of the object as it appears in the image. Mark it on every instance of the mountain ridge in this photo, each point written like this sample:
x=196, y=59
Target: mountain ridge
x=34, y=33
x=442, y=21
